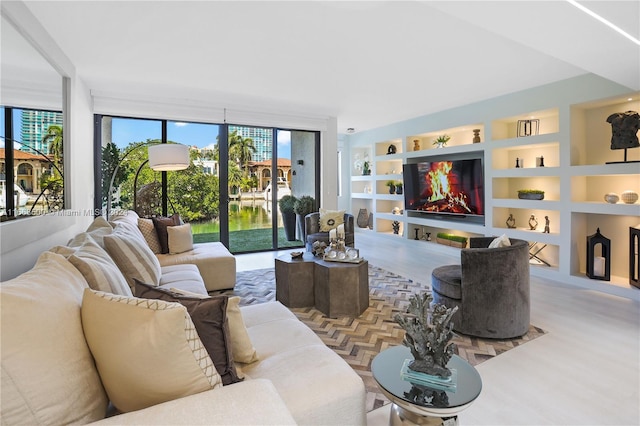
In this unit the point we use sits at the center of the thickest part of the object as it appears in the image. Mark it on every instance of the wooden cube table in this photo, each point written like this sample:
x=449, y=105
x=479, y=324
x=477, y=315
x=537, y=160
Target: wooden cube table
x=294, y=281
x=341, y=288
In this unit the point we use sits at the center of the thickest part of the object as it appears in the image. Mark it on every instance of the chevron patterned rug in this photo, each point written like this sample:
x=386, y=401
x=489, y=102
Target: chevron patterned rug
x=359, y=340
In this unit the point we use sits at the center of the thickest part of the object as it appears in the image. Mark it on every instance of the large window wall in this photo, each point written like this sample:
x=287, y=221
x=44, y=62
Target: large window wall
x=226, y=193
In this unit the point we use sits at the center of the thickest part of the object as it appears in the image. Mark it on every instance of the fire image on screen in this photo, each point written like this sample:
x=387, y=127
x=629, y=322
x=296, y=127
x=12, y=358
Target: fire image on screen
x=450, y=187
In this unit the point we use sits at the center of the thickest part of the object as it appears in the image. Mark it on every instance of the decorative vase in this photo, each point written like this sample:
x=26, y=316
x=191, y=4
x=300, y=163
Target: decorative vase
x=399, y=189
x=392, y=189
x=629, y=197
x=476, y=135
x=416, y=144
x=440, y=144
x=611, y=198
x=370, y=222
x=363, y=217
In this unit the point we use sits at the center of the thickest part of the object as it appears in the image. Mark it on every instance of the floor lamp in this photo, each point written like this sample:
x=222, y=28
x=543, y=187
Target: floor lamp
x=163, y=157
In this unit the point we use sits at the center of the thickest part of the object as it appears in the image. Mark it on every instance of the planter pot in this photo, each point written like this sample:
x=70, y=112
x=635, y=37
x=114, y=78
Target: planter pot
x=399, y=189
x=392, y=190
x=451, y=243
x=289, y=222
x=529, y=196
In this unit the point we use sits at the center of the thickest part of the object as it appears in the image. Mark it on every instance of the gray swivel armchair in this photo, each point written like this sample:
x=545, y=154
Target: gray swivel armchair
x=312, y=230
x=490, y=288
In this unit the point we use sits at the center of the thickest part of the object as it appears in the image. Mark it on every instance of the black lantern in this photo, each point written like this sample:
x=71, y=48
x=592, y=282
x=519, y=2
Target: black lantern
x=634, y=256
x=599, y=267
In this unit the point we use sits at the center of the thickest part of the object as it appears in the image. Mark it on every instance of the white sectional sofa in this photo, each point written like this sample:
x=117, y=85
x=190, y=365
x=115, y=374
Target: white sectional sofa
x=56, y=371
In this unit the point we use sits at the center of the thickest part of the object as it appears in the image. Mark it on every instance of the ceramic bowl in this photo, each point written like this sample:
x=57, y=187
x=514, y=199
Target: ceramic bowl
x=611, y=198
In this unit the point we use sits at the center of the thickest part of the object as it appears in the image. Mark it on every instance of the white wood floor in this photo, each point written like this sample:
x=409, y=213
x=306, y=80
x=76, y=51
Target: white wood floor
x=584, y=371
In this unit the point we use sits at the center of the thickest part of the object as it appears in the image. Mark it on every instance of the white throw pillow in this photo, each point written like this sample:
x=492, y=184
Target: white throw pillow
x=180, y=238
x=48, y=373
x=501, y=241
x=330, y=219
x=147, y=352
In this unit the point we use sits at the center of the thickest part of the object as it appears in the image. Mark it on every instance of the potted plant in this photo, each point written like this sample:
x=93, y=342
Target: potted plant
x=392, y=186
x=441, y=141
x=366, y=171
x=302, y=207
x=530, y=194
x=286, y=204
x=451, y=240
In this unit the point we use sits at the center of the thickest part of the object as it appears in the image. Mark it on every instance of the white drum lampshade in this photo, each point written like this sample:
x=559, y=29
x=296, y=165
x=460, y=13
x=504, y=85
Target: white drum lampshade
x=168, y=156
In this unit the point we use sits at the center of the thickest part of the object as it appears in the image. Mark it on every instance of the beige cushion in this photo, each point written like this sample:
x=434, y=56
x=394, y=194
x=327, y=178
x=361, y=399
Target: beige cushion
x=95, y=265
x=48, y=373
x=330, y=219
x=186, y=277
x=501, y=241
x=127, y=219
x=149, y=233
x=147, y=352
x=133, y=256
x=97, y=230
x=241, y=346
x=180, y=239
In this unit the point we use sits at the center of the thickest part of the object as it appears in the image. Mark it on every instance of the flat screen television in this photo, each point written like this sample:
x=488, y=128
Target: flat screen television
x=454, y=187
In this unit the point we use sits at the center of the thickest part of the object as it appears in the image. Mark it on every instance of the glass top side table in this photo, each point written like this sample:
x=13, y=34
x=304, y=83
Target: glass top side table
x=420, y=403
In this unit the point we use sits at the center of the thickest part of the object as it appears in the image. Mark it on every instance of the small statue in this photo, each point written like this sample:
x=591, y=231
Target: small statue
x=517, y=163
x=428, y=331
x=624, y=127
x=546, y=225
x=416, y=231
x=476, y=135
x=511, y=221
x=318, y=248
x=416, y=144
x=391, y=149
x=396, y=227
x=533, y=223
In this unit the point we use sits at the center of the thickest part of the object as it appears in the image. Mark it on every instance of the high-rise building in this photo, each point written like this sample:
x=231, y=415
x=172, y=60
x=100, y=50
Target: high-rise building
x=262, y=140
x=34, y=127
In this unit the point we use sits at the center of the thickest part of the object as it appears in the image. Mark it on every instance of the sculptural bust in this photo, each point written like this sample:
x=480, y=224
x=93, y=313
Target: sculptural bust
x=624, y=129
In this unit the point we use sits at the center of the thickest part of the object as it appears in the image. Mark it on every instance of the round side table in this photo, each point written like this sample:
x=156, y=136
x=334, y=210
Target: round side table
x=422, y=404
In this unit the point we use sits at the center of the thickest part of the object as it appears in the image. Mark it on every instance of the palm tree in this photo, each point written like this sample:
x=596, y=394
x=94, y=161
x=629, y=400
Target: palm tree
x=240, y=150
x=53, y=138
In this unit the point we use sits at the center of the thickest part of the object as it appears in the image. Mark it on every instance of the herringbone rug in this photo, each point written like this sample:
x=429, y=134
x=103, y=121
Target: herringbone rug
x=359, y=340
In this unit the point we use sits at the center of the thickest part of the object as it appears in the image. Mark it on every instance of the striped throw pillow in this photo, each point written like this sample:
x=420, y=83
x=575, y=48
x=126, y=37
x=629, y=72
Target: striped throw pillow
x=133, y=257
x=95, y=265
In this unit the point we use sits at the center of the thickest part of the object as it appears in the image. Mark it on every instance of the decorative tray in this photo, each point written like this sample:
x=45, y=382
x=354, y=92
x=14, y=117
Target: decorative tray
x=345, y=260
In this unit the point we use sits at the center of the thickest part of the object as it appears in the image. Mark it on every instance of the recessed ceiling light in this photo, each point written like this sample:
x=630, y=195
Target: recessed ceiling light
x=351, y=130
x=604, y=21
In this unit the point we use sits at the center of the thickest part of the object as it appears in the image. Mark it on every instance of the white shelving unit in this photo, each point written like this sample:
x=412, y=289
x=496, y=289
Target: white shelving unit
x=573, y=139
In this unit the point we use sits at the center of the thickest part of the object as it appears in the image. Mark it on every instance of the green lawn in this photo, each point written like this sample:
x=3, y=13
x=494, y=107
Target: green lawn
x=249, y=240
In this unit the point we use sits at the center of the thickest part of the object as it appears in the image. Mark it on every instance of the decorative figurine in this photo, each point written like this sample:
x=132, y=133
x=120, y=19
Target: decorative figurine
x=546, y=225
x=511, y=221
x=533, y=223
x=428, y=334
x=476, y=135
x=428, y=236
x=416, y=144
x=624, y=129
x=391, y=149
x=517, y=163
x=416, y=230
x=396, y=227
x=541, y=161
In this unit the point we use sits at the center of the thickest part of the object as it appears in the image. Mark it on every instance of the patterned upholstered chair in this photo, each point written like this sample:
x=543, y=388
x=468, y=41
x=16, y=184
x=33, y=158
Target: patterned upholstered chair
x=490, y=288
x=312, y=231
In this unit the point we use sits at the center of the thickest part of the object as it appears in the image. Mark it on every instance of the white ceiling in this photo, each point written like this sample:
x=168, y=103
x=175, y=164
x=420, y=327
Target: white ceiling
x=367, y=63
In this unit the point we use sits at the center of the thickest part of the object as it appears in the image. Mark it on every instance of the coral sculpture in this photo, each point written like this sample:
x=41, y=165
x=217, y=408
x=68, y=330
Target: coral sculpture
x=428, y=334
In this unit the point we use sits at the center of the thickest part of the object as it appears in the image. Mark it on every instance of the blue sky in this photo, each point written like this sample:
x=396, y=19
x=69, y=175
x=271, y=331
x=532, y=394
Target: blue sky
x=125, y=131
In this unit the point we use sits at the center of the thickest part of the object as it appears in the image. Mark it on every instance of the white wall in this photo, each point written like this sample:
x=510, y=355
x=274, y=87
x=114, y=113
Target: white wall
x=22, y=240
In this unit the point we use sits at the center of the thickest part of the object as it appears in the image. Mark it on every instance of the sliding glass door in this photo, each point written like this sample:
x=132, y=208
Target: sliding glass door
x=229, y=193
